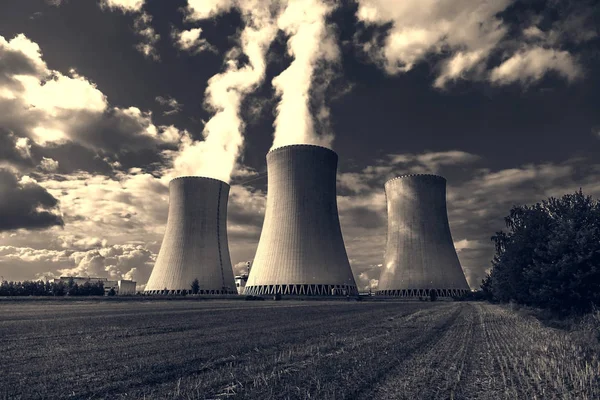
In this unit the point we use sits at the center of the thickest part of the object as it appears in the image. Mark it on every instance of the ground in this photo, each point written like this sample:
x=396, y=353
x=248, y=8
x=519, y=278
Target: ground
x=286, y=350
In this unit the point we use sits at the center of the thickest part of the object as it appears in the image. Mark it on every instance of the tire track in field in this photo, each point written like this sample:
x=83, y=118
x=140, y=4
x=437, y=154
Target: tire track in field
x=506, y=335
x=251, y=371
x=433, y=371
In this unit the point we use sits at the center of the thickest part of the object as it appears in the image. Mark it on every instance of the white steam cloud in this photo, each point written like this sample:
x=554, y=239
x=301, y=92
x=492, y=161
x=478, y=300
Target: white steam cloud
x=217, y=155
x=312, y=45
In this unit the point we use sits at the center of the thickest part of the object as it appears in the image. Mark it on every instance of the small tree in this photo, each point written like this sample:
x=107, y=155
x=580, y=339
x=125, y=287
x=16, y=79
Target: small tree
x=195, y=286
x=112, y=292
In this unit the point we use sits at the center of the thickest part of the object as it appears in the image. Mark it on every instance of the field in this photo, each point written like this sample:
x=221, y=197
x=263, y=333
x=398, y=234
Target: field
x=223, y=349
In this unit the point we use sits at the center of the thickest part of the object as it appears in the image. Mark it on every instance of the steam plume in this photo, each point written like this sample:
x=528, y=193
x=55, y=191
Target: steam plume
x=312, y=44
x=217, y=155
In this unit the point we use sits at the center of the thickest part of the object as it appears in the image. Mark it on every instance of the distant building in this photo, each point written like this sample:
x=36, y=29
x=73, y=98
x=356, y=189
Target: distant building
x=240, y=283
x=241, y=279
x=126, y=288
x=121, y=287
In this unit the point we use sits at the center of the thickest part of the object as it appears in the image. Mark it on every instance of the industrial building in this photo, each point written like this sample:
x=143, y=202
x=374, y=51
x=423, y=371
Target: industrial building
x=420, y=256
x=242, y=279
x=195, y=242
x=301, y=250
x=120, y=287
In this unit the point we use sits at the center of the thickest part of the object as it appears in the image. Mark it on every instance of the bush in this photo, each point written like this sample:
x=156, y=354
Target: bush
x=550, y=256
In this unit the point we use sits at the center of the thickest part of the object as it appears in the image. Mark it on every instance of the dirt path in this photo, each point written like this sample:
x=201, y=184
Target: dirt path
x=289, y=350
x=489, y=352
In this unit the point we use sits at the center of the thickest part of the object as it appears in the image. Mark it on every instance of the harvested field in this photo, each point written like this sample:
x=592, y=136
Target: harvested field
x=286, y=350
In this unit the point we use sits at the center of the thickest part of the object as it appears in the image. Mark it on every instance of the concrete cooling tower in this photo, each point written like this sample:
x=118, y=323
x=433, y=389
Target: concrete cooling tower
x=195, y=242
x=420, y=254
x=301, y=250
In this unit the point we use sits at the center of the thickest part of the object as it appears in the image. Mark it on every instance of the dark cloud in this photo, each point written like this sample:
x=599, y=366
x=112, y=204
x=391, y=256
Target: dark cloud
x=9, y=153
x=365, y=217
x=72, y=157
x=14, y=62
x=26, y=205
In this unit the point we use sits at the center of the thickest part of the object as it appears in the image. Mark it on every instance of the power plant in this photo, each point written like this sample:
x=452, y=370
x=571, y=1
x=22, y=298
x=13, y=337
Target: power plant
x=301, y=249
x=420, y=256
x=195, y=241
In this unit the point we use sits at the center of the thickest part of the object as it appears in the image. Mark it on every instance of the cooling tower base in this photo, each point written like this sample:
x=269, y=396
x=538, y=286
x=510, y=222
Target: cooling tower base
x=421, y=292
x=167, y=292
x=306, y=290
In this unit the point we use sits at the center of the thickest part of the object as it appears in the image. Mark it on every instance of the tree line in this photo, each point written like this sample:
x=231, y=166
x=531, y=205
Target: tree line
x=549, y=256
x=41, y=288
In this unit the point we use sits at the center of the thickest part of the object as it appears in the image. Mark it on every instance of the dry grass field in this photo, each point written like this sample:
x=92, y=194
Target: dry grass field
x=223, y=349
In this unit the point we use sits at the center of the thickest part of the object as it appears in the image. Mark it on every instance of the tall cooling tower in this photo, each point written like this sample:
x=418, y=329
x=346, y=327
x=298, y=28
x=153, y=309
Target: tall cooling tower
x=195, y=242
x=301, y=250
x=420, y=254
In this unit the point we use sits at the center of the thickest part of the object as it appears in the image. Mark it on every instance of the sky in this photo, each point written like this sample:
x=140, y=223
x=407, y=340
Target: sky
x=102, y=102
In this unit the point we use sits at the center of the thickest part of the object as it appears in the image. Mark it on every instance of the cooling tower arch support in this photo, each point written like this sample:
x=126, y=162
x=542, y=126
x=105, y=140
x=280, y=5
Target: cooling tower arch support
x=195, y=242
x=301, y=249
x=420, y=257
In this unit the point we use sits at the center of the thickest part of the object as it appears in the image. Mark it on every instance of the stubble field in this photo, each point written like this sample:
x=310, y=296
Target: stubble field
x=286, y=350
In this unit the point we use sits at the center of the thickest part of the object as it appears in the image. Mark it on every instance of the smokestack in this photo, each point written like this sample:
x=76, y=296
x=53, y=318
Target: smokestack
x=301, y=250
x=195, y=242
x=420, y=254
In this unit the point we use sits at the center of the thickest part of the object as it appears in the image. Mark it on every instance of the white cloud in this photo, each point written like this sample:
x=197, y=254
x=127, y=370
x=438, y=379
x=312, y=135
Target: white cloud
x=142, y=24
x=169, y=102
x=124, y=5
x=531, y=64
x=190, y=41
x=203, y=9
x=47, y=107
x=460, y=36
x=48, y=164
x=149, y=36
x=468, y=30
x=23, y=146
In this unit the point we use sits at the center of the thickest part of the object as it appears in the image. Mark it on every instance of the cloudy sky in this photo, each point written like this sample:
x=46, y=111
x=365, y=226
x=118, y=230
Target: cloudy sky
x=103, y=102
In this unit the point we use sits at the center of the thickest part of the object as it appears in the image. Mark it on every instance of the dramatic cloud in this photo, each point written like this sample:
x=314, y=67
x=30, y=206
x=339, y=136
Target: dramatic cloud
x=129, y=261
x=393, y=165
x=116, y=262
x=464, y=32
x=124, y=5
x=144, y=29
x=142, y=24
x=461, y=37
x=48, y=165
x=25, y=204
x=190, y=41
x=532, y=64
x=51, y=108
x=172, y=105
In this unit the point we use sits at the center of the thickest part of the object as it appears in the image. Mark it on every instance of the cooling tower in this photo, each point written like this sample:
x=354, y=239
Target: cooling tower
x=420, y=254
x=301, y=250
x=195, y=242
